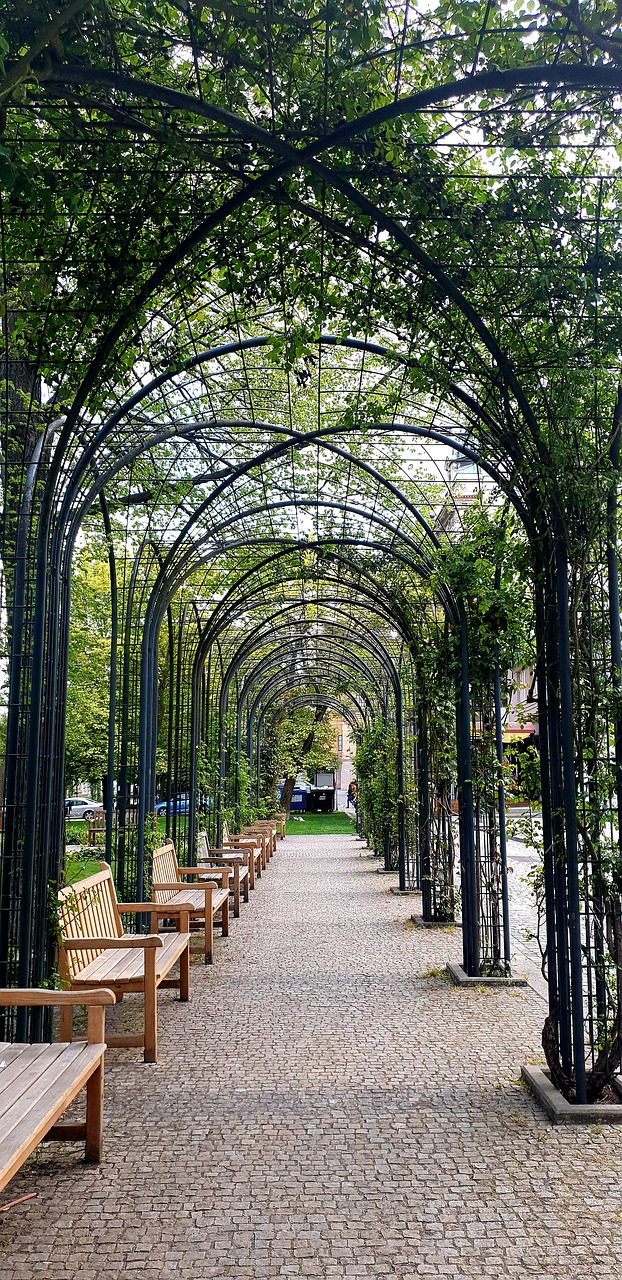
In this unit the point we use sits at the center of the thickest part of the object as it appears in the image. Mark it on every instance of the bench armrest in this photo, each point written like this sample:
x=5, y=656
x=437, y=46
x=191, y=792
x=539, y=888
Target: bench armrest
x=217, y=863
x=159, y=906
x=197, y=871
x=179, y=909
x=131, y=940
x=19, y=996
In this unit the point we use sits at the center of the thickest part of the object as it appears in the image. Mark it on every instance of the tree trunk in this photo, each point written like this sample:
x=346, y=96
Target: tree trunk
x=286, y=795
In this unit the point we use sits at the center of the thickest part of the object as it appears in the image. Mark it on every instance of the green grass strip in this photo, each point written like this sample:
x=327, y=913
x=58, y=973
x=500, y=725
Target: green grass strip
x=320, y=824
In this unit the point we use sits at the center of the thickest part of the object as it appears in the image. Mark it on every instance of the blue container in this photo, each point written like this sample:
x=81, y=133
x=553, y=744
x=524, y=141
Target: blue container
x=299, y=800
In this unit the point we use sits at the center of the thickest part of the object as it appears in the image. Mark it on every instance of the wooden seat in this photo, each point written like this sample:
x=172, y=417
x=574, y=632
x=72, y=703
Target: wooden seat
x=128, y=965
x=94, y=951
x=39, y=1081
x=206, y=898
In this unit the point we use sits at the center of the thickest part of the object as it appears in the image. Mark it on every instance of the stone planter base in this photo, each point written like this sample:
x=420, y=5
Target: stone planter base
x=420, y=923
x=562, y=1112
x=462, y=979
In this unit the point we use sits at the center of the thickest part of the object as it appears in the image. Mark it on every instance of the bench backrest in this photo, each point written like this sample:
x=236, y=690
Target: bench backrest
x=164, y=870
x=203, y=849
x=87, y=909
x=97, y=826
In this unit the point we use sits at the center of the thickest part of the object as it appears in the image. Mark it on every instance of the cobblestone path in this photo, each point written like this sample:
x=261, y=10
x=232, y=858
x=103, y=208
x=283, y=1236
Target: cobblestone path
x=324, y=1108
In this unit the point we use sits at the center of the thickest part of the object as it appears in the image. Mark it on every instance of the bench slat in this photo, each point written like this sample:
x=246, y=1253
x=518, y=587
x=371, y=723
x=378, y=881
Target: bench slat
x=62, y=1071
x=22, y=1072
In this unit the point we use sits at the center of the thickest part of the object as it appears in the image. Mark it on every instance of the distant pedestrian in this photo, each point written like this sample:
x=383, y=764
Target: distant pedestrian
x=351, y=796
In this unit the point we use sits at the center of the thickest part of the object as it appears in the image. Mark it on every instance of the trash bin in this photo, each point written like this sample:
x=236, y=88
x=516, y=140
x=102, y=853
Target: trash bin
x=298, y=801
x=321, y=800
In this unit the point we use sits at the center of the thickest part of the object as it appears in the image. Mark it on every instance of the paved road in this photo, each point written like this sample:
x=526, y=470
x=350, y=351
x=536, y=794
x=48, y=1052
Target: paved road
x=324, y=1109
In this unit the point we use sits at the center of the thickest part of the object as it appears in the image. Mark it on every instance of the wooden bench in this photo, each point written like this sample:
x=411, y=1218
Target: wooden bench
x=96, y=828
x=261, y=839
x=206, y=899
x=211, y=862
x=265, y=837
x=39, y=1081
x=244, y=857
x=95, y=952
x=268, y=825
x=250, y=847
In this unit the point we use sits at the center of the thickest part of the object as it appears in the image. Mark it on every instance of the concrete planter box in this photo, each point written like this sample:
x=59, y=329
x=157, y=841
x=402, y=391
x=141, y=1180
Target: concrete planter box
x=420, y=923
x=462, y=979
x=562, y=1112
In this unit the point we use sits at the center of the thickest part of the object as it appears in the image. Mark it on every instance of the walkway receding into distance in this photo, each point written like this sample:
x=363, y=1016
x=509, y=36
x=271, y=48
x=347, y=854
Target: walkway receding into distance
x=322, y=1108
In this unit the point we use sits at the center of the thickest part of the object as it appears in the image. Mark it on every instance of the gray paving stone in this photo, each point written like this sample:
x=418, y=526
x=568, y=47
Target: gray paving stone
x=323, y=1109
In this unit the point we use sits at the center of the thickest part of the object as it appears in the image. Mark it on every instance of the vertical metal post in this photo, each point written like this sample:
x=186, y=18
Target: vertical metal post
x=614, y=596
x=570, y=815
x=470, y=923
x=112, y=695
x=401, y=835
x=423, y=787
x=546, y=795
x=503, y=850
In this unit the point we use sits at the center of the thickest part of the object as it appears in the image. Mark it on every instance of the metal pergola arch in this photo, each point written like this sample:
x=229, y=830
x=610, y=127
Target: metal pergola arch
x=555, y=685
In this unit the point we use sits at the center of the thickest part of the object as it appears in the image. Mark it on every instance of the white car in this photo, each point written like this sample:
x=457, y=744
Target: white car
x=80, y=807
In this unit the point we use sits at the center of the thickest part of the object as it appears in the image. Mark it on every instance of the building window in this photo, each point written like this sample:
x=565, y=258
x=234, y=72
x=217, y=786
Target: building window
x=340, y=742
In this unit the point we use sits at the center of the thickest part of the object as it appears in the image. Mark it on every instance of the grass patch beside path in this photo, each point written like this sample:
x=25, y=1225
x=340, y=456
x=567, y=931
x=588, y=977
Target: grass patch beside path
x=320, y=824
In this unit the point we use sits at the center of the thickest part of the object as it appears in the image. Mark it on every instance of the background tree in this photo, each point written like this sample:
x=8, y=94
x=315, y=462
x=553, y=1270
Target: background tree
x=305, y=743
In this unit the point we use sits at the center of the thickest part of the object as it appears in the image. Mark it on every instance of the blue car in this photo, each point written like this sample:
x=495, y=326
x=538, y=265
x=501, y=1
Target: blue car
x=179, y=804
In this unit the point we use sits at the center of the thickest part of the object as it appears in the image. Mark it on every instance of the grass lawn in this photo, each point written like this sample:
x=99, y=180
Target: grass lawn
x=320, y=824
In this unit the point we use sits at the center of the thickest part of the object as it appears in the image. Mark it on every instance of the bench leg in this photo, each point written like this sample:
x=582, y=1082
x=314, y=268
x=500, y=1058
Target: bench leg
x=225, y=918
x=65, y=1030
x=151, y=1007
x=209, y=935
x=184, y=974
x=95, y=1116
x=246, y=880
x=251, y=871
x=236, y=892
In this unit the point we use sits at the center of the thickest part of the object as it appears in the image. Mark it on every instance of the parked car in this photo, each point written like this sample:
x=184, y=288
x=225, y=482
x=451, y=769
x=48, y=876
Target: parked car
x=81, y=807
x=180, y=804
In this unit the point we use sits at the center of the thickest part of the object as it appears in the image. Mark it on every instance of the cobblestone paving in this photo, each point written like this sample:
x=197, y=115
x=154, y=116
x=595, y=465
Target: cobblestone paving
x=323, y=1108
